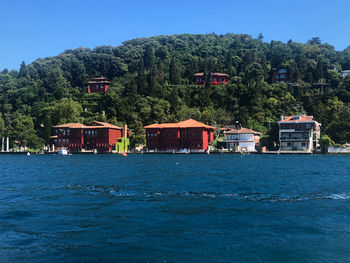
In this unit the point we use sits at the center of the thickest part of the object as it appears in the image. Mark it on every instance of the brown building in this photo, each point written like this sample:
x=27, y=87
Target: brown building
x=282, y=76
x=215, y=78
x=182, y=136
x=98, y=85
x=77, y=137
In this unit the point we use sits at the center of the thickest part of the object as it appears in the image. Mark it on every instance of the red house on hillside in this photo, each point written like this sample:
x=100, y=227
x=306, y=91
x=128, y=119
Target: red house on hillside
x=186, y=135
x=282, y=76
x=77, y=137
x=215, y=78
x=98, y=85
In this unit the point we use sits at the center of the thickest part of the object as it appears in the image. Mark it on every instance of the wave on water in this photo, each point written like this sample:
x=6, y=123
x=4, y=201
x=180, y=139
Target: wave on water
x=119, y=192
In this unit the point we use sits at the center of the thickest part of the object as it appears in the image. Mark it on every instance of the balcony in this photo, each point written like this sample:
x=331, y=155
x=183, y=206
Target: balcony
x=293, y=138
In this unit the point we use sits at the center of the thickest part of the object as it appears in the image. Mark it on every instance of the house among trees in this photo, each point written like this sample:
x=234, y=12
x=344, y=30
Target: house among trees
x=214, y=78
x=299, y=132
x=345, y=73
x=242, y=139
x=97, y=136
x=282, y=75
x=182, y=136
x=98, y=85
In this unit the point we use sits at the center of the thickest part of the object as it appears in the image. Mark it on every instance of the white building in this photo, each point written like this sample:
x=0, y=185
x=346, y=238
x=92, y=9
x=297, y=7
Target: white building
x=345, y=73
x=299, y=132
x=243, y=140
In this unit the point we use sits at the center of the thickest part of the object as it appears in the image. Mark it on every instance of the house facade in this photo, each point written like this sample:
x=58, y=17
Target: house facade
x=182, y=136
x=98, y=85
x=345, y=73
x=97, y=136
x=242, y=140
x=282, y=76
x=215, y=78
x=299, y=132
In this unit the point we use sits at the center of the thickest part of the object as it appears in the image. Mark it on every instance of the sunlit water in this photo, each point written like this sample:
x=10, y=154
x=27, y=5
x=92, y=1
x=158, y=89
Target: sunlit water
x=174, y=208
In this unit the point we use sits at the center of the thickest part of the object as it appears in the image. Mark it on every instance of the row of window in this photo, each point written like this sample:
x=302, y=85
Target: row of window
x=281, y=76
x=62, y=141
x=303, y=144
x=90, y=132
x=241, y=137
x=97, y=87
x=183, y=134
x=212, y=79
x=62, y=131
x=175, y=145
x=296, y=125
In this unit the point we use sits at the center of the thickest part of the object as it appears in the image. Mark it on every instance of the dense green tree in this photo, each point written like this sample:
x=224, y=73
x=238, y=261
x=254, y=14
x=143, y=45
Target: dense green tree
x=152, y=81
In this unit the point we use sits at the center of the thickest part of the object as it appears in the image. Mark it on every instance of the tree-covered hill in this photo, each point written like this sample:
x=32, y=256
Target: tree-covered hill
x=152, y=81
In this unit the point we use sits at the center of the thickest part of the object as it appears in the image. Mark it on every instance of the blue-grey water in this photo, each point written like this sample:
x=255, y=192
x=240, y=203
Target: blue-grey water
x=174, y=208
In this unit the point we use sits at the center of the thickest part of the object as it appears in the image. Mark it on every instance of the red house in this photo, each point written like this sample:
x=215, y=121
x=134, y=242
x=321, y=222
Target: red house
x=98, y=85
x=215, y=78
x=76, y=137
x=186, y=135
x=282, y=76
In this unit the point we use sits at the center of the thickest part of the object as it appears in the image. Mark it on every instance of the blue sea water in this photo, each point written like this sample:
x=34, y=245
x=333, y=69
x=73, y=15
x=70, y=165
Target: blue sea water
x=174, y=208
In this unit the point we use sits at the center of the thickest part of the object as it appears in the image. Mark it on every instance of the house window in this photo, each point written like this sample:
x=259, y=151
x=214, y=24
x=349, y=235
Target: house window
x=308, y=126
x=289, y=144
x=303, y=144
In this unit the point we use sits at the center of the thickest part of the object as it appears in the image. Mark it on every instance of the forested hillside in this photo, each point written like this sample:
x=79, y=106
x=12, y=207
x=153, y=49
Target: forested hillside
x=152, y=81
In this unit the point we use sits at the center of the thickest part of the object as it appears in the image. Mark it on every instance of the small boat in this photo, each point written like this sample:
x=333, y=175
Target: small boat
x=124, y=154
x=62, y=151
x=28, y=153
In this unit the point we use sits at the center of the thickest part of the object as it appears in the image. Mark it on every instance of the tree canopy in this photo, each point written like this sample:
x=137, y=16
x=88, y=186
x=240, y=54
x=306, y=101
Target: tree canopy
x=153, y=81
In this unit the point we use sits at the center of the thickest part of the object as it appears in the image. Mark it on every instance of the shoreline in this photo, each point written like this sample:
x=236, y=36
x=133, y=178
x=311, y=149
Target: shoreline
x=183, y=153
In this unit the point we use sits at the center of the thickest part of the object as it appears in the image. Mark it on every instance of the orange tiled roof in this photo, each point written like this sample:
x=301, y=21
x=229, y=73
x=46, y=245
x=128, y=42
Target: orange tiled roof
x=190, y=123
x=99, y=80
x=70, y=125
x=243, y=130
x=79, y=125
x=103, y=125
x=302, y=118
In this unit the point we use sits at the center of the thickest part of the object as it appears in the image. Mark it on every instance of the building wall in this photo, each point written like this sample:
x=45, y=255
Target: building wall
x=98, y=88
x=242, y=141
x=168, y=139
x=78, y=139
x=214, y=80
x=302, y=136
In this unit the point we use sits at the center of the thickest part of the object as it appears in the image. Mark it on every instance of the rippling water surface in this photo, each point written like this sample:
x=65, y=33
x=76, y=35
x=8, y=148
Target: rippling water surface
x=174, y=208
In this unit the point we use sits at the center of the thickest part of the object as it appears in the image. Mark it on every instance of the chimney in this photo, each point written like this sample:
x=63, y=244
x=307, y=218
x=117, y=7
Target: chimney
x=282, y=117
x=125, y=131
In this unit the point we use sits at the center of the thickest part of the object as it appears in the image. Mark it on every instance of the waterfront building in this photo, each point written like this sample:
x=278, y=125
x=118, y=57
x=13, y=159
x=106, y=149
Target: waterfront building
x=215, y=78
x=243, y=139
x=98, y=85
x=299, y=132
x=97, y=136
x=282, y=75
x=345, y=73
x=182, y=136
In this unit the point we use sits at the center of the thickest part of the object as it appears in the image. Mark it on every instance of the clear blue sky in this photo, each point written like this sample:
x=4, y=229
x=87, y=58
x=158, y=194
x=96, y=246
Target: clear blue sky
x=41, y=28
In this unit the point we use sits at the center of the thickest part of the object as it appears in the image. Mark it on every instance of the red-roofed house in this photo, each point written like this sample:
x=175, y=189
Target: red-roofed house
x=186, y=135
x=98, y=85
x=77, y=137
x=215, y=78
x=243, y=140
x=299, y=132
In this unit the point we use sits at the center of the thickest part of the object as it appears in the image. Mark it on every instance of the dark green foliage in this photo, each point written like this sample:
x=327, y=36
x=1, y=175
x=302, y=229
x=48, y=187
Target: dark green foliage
x=153, y=81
